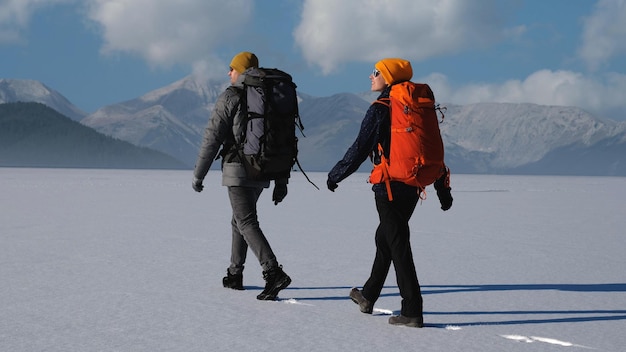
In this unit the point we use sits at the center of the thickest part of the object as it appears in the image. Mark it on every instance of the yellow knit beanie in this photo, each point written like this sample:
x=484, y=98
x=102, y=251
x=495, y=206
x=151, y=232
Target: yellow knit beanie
x=243, y=61
x=395, y=70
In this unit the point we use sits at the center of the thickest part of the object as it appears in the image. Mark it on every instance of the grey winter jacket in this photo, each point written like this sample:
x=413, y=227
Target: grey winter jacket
x=219, y=132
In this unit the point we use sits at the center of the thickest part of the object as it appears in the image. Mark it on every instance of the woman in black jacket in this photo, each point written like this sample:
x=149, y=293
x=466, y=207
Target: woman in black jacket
x=392, y=235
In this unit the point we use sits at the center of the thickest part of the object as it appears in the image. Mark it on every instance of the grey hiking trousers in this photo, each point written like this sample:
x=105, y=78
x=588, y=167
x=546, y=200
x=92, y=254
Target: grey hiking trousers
x=246, y=231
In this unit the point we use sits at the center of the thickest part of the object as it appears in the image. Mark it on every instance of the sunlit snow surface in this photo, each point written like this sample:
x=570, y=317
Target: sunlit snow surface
x=113, y=260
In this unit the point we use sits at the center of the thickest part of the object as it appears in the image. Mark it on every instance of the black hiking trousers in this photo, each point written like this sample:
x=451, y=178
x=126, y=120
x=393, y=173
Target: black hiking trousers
x=393, y=246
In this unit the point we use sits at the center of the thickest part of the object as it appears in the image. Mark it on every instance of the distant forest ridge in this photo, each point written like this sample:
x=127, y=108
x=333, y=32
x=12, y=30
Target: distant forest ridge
x=35, y=135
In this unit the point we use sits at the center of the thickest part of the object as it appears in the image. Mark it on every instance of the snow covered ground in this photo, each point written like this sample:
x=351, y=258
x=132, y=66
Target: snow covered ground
x=132, y=260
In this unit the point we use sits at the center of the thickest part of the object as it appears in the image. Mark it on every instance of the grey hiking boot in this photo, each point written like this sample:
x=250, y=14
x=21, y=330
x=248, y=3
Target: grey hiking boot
x=275, y=280
x=364, y=305
x=416, y=322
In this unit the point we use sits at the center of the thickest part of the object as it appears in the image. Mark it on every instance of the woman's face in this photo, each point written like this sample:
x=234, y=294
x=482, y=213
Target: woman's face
x=378, y=82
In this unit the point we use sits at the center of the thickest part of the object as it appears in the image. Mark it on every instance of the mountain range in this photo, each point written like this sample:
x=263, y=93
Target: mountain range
x=485, y=138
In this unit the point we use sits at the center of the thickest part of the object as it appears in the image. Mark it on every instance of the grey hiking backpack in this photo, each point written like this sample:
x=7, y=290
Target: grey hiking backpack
x=268, y=145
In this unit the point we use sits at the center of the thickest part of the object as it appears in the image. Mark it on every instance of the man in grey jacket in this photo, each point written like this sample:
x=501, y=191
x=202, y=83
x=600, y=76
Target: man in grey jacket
x=243, y=192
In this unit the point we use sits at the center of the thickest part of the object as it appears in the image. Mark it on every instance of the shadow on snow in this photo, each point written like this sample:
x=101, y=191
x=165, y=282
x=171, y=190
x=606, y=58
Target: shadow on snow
x=559, y=316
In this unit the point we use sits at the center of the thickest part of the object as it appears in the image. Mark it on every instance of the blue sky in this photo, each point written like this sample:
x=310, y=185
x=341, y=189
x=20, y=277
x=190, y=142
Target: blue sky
x=101, y=52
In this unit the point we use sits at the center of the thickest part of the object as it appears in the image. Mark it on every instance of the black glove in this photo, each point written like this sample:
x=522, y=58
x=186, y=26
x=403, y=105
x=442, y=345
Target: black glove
x=332, y=186
x=196, y=184
x=445, y=198
x=280, y=192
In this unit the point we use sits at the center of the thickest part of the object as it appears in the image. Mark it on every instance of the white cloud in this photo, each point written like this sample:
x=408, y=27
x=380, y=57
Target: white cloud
x=165, y=32
x=334, y=32
x=600, y=94
x=15, y=16
x=604, y=32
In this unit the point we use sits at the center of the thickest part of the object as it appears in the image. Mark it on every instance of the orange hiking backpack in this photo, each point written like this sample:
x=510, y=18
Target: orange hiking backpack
x=416, y=153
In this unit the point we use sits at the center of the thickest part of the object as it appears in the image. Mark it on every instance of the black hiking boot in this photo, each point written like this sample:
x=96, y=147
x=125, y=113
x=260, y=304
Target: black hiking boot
x=275, y=280
x=233, y=281
x=364, y=305
x=416, y=322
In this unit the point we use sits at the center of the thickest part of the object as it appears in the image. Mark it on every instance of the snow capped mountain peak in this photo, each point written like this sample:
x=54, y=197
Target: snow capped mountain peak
x=208, y=89
x=26, y=90
x=170, y=119
x=519, y=133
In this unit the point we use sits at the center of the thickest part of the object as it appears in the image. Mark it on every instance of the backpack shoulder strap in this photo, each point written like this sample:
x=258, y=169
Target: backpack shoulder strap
x=384, y=101
x=240, y=114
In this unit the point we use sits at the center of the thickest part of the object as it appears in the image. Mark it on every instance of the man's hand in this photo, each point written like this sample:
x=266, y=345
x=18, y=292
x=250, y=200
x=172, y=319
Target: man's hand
x=196, y=184
x=280, y=192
